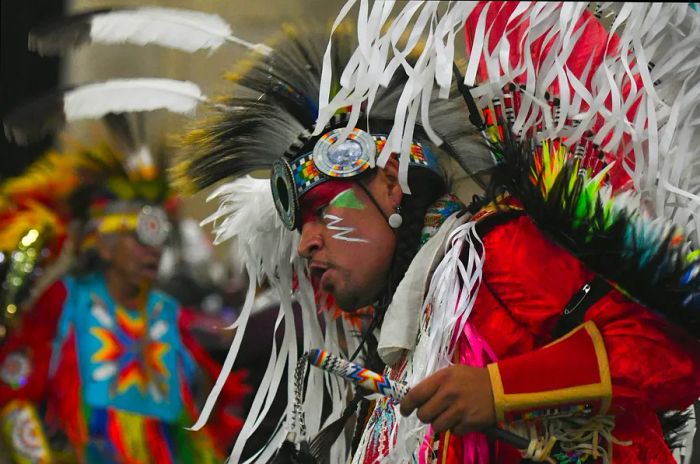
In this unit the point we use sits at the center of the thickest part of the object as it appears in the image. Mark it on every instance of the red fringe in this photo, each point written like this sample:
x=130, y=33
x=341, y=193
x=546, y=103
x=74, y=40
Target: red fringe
x=65, y=404
x=115, y=435
x=157, y=443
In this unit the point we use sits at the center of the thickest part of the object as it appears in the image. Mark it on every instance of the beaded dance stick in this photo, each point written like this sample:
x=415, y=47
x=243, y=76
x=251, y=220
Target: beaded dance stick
x=357, y=374
x=395, y=390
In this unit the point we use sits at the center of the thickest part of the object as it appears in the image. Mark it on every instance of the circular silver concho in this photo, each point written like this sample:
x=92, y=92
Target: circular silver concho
x=152, y=226
x=346, y=159
x=15, y=370
x=284, y=193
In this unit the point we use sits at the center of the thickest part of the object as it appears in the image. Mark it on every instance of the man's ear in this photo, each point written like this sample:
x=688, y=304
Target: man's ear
x=391, y=176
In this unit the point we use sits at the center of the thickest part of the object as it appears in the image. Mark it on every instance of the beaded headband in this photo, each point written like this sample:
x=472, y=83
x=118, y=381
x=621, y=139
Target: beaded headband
x=329, y=160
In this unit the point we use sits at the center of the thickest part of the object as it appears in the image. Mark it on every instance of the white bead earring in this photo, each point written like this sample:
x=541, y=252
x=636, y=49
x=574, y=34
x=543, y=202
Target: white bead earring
x=395, y=220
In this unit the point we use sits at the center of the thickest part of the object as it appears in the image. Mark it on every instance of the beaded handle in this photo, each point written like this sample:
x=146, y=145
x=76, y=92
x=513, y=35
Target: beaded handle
x=395, y=390
x=357, y=374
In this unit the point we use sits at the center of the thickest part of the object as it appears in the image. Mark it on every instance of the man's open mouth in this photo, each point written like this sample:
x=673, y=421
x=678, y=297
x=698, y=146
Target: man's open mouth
x=149, y=269
x=316, y=272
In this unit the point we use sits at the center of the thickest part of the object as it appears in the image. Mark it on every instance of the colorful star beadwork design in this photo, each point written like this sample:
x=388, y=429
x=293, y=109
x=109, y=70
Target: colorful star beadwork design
x=131, y=354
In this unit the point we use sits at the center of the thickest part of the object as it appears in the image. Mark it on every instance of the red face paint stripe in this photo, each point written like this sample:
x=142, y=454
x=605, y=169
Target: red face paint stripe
x=319, y=197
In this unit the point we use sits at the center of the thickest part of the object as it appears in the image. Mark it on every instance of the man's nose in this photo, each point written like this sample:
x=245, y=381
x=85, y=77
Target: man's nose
x=311, y=239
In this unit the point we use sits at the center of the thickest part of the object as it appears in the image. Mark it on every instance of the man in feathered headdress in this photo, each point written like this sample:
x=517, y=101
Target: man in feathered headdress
x=102, y=351
x=562, y=307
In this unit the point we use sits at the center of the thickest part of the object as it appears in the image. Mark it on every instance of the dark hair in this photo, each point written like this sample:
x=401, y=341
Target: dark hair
x=426, y=188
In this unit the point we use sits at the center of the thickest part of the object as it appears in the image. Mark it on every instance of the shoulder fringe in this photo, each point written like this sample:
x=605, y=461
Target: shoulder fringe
x=451, y=295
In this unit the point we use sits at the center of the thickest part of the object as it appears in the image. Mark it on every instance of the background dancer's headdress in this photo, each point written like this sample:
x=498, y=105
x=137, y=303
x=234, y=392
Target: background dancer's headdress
x=137, y=172
x=34, y=212
x=125, y=169
x=266, y=128
x=128, y=174
x=591, y=115
x=81, y=188
x=54, y=210
x=120, y=187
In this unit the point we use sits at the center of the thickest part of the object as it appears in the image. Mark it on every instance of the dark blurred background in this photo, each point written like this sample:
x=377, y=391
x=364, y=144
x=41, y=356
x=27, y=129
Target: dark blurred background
x=23, y=73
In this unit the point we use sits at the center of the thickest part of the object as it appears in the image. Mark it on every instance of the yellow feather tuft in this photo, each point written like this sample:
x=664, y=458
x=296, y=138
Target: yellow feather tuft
x=194, y=137
x=290, y=30
x=233, y=76
x=181, y=181
x=241, y=68
x=221, y=99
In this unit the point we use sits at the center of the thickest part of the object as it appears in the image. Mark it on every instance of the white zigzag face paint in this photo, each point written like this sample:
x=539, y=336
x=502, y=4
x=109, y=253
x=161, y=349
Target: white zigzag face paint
x=343, y=232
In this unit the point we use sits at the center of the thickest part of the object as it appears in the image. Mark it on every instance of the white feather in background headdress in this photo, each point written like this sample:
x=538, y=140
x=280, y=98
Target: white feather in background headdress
x=96, y=100
x=129, y=95
x=176, y=28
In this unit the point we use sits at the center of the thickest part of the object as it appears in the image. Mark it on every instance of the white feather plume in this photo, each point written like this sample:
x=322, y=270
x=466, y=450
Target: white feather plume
x=176, y=28
x=131, y=95
x=247, y=216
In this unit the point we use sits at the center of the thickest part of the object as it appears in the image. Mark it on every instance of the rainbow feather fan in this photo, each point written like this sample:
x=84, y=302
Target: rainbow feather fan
x=650, y=259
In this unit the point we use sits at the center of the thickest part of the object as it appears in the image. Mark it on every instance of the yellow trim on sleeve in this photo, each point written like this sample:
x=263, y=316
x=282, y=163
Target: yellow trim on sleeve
x=601, y=391
x=603, y=365
x=499, y=397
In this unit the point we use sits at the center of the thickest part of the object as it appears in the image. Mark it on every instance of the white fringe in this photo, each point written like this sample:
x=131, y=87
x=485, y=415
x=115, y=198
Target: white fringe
x=267, y=249
x=451, y=296
x=658, y=144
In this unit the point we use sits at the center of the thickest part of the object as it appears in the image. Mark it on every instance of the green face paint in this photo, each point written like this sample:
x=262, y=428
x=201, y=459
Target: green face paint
x=347, y=199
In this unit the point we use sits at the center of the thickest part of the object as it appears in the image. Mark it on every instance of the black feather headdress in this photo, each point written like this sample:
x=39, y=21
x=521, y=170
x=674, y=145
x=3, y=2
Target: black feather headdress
x=274, y=110
x=270, y=117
